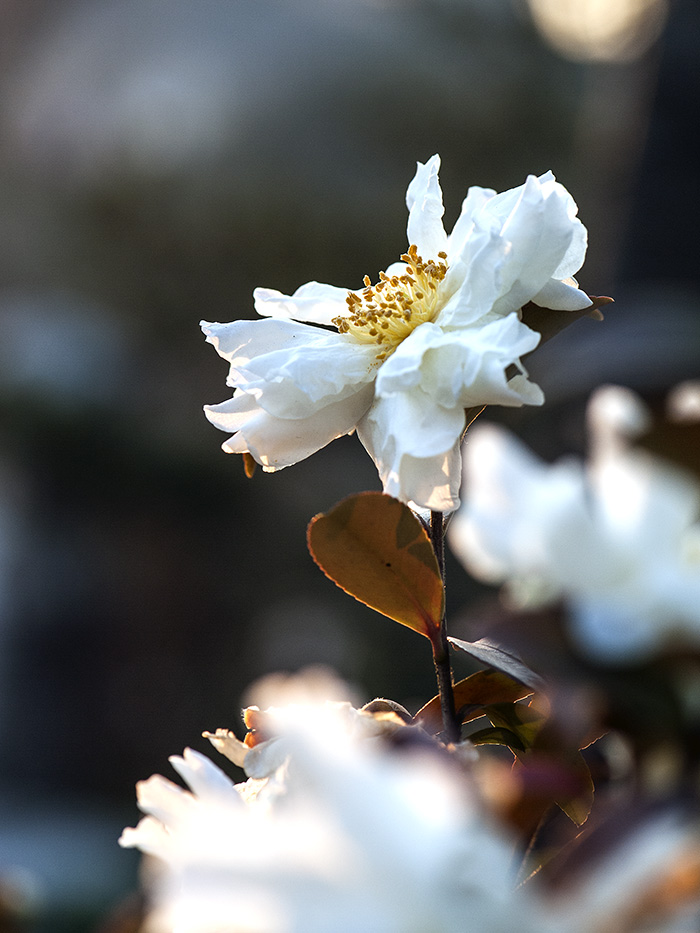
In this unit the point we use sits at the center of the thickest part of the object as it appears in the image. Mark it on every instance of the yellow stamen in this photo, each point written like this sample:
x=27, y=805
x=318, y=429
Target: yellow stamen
x=387, y=312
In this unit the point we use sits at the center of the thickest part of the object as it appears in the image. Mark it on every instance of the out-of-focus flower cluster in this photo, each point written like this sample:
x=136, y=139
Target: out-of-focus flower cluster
x=356, y=820
x=617, y=538
x=349, y=820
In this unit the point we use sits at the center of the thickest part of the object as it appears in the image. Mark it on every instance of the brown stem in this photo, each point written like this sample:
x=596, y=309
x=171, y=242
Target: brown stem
x=441, y=654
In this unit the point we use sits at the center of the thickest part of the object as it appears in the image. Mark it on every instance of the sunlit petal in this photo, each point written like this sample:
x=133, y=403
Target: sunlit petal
x=424, y=202
x=279, y=442
x=313, y=302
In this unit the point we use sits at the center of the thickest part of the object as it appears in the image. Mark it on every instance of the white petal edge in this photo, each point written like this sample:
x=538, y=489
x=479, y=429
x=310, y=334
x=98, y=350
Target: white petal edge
x=292, y=369
x=425, y=210
x=313, y=302
x=276, y=443
x=415, y=446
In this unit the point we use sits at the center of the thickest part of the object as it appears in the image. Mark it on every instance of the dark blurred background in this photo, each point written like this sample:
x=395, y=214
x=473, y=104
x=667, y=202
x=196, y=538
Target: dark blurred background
x=158, y=160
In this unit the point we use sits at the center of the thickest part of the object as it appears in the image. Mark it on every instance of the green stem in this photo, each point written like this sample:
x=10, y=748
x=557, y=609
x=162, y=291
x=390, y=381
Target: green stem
x=441, y=653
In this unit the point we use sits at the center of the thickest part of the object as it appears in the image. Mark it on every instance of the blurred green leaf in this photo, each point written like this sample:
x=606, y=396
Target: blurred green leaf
x=374, y=548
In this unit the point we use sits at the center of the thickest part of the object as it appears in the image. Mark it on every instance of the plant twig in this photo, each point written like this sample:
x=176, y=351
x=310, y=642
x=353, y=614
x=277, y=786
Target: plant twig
x=441, y=654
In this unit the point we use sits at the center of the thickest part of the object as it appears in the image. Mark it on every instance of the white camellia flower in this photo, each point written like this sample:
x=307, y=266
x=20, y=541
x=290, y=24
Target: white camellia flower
x=338, y=829
x=617, y=539
x=341, y=833
x=400, y=360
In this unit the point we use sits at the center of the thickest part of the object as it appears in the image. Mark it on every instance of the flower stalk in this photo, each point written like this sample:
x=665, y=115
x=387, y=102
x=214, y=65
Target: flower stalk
x=441, y=652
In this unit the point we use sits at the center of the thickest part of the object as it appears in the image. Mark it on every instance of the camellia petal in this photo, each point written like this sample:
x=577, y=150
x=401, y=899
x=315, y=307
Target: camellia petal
x=202, y=775
x=237, y=341
x=424, y=202
x=414, y=444
x=515, y=247
x=417, y=425
x=313, y=302
x=461, y=369
x=291, y=369
x=640, y=498
x=164, y=800
x=279, y=442
x=150, y=836
x=430, y=481
x=466, y=222
x=563, y=296
x=474, y=280
x=575, y=254
x=539, y=231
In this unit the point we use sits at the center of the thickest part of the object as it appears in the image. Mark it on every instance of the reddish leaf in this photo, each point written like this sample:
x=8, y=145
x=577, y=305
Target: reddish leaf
x=520, y=719
x=573, y=789
x=578, y=806
x=376, y=550
x=471, y=695
x=492, y=654
x=544, y=781
x=496, y=735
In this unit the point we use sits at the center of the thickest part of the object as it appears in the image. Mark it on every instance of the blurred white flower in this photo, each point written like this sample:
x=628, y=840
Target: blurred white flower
x=342, y=834
x=618, y=539
x=438, y=333
x=312, y=697
x=645, y=879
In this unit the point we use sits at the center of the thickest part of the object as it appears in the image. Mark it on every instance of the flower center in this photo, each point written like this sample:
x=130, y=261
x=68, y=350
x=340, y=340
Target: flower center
x=387, y=312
